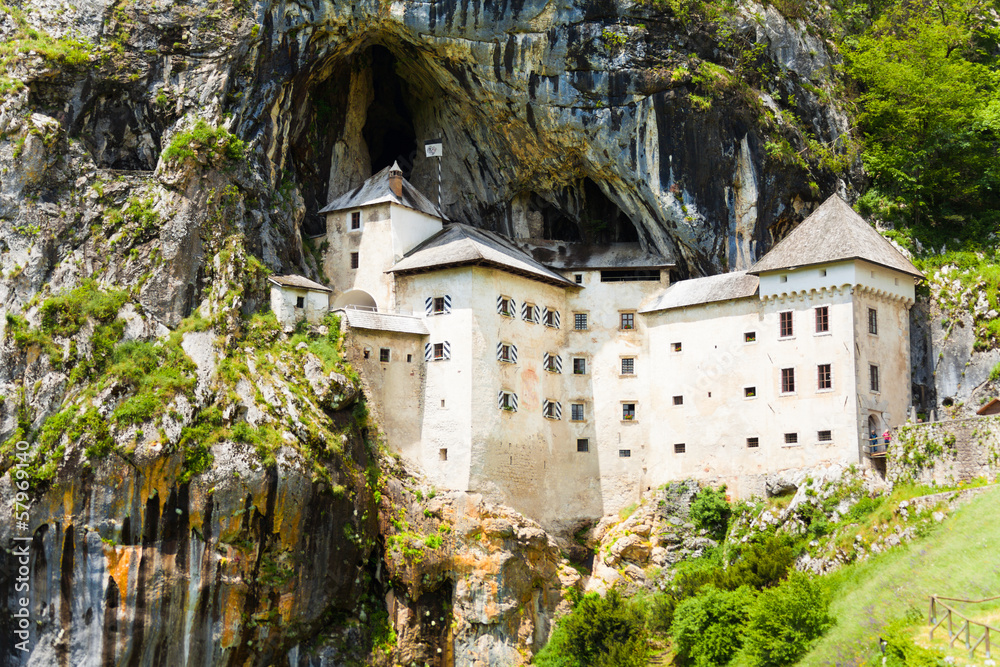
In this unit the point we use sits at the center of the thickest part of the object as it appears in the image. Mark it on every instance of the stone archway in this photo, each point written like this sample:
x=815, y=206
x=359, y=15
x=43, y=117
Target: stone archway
x=357, y=299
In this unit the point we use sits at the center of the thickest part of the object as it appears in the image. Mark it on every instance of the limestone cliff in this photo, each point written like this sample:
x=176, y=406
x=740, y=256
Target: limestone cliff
x=205, y=488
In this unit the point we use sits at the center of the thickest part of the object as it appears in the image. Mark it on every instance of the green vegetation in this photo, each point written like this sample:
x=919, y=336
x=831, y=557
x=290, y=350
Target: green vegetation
x=207, y=144
x=710, y=510
x=600, y=632
x=62, y=52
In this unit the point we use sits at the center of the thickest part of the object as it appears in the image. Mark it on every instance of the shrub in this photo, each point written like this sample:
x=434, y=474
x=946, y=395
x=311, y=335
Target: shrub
x=600, y=632
x=711, y=511
x=708, y=629
x=219, y=145
x=760, y=565
x=785, y=620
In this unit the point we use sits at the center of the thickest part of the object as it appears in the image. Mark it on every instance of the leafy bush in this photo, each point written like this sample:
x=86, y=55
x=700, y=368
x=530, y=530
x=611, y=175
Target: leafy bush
x=711, y=511
x=708, y=629
x=219, y=145
x=785, y=620
x=760, y=565
x=600, y=632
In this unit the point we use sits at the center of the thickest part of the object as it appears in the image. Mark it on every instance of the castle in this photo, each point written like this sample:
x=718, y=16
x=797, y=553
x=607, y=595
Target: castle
x=567, y=380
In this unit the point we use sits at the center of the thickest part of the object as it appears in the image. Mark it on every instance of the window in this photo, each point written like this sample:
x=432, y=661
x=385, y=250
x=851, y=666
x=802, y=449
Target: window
x=580, y=321
x=383, y=355
x=675, y=347
x=872, y=321
x=437, y=351
x=552, y=363
x=576, y=412
x=824, y=436
x=873, y=377
x=822, y=319
x=356, y=220
x=824, y=379
x=627, y=321
x=822, y=273
x=678, y=400
x=749, y=392
x=753, y=443
x=624, y=453
x=628, y=366
x=550, y=318
x=300, y=302
x=443, y=454
x=367, y=353
x=529, y=313
x=750, y=337
x=579, y=278
x=355, y=261
x=409, y=358
x=507, y=400
x=628, y=411
x=442, y=402
x=791, y=438
x=782, y=279
x=787, y=380
x=507, y=352
x=579, y=366
x=582, y=445
x=505, y=306
x=438, y=305
x=680, y=448
x=552, y=409
x=785, y=324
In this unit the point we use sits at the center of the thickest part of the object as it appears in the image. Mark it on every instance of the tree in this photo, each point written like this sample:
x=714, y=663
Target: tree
x=711, y=511
x=708, y=629
x=600, y=632
x=785, y=620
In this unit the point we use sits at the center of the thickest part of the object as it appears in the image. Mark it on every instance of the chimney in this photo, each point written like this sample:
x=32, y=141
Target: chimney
x=396, y=180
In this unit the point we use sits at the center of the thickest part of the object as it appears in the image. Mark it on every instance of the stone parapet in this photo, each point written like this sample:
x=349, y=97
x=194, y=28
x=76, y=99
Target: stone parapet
x=945, y=452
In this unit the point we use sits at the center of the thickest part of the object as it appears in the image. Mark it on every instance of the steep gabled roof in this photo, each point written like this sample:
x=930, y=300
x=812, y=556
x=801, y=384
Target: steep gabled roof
x=367, y=319
x=723, y=287
x=462, y=245
x=563, y=255
x=833, y=233
x=376, y=190
x=299, y=282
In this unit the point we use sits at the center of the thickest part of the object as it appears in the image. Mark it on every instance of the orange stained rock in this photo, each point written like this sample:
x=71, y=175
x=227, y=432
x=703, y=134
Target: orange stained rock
x=118, y=560
x=232, y=613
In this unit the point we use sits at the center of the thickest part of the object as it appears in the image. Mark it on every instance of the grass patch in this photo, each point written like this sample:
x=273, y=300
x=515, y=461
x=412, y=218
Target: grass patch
x=216, y=145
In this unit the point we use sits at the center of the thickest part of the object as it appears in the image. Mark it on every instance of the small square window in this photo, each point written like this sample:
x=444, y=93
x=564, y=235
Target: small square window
x=627, y=321
x=582, y=445
x=873, y=378
x=438, y=351
x=356, y=220
x=822, y=273
x=624, y=453
x=783, y=279
x=678, y=400
x=872, y=321
x=576, y=412
x=409, y=358
x=824, y=436
x=822, y=319
x=355, y=261
x=443, y=454
x=508, y=401
x=530, y=313
x=580, y=321
x=753, y=443
x=785, y=324
x=628, y=366
x=628, y=412
x=383, y=355
x=787, y=380
x=824, y=377
x=507, y=353
x=579, y=366
x=553, y=363
x=300, y=302
x=749, y=392
x=439, y=306
x=791, y=438
x=367, y=353
x=506, y=308
x=579, y=278
x=552, y=318
x=750, y=337
x=675, y=347
x=552, y=410
x=680, y=448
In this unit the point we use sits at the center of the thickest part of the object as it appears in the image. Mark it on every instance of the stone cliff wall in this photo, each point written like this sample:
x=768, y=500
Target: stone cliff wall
x=946, y=452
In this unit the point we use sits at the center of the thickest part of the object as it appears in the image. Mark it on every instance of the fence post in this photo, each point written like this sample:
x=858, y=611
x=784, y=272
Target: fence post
x=933, y=616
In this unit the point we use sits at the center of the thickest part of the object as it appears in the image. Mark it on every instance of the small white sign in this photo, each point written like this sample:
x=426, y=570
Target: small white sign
x=432, y=148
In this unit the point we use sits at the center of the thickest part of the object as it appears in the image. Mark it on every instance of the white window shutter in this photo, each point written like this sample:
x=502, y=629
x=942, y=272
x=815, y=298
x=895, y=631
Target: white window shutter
x=500, y=399
x=447, y=303
x=513, y=353
x=556, y=318
x=545, y=361
x=545, y=315
x=558, y=364
x=524, y=311
x=558, y=410
x=428, y=351
x=447, y=350
x=513, y=399
x=500, y=304
x=545, y=407
x=499, y=351
x=429, y=306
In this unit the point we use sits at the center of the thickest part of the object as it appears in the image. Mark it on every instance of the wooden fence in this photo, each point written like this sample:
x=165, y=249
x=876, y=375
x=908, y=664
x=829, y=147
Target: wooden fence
x=949, y=614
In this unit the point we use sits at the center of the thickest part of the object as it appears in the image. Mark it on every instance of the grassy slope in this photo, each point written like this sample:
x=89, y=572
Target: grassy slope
x=960, y=558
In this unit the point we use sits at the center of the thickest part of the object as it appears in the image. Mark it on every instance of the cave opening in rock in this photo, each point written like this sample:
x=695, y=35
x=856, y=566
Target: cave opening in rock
x=388, y=129
x=584, y=214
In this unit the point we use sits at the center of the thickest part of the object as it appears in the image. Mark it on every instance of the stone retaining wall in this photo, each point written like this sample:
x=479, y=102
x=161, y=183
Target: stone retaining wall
x=945, y=452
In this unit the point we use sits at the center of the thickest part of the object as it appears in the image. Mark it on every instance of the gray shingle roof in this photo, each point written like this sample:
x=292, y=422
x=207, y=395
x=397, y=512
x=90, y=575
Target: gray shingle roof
x=300, y=282
x=723, y=287
x=376, y=190
x=562, y=255
x=461, y=245
x=366, y=319
x=833, y=233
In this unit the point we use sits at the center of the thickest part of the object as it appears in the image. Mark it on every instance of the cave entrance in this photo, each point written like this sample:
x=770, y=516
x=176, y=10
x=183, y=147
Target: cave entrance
x=584, y=214
x=388, y=129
